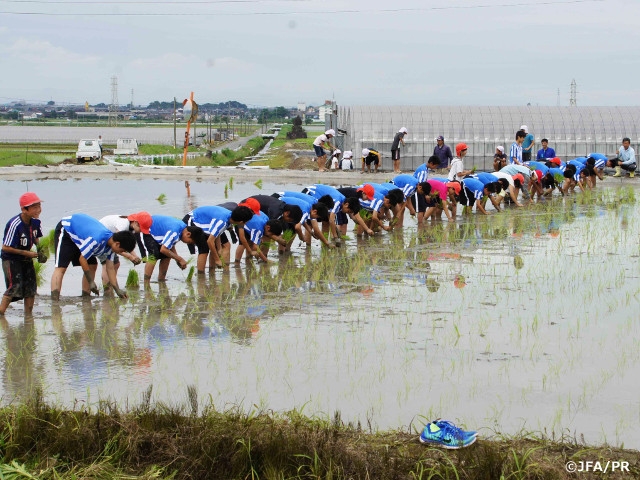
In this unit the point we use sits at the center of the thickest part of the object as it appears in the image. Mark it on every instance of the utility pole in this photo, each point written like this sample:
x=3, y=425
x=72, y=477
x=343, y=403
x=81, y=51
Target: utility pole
x=573, y=100
x=175, y=139
x=113, y=107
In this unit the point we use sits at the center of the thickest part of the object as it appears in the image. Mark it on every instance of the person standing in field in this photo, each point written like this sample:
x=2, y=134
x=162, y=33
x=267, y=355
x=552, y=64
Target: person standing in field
x=21, y=233
x=318, y=146
x=443, y=152
x=516, y=154
x=546, y=152
x=528, y=144
x=395, y=149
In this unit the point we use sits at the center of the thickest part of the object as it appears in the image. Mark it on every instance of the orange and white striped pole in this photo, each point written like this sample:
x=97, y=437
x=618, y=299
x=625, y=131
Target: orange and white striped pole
x=186, y=134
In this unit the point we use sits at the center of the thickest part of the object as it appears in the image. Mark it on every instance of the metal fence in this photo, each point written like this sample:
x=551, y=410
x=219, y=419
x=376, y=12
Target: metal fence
x=572, y=131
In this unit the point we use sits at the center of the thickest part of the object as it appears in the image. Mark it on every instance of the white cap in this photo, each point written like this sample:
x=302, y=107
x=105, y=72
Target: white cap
x=365, y=152
x=337, y=151
x=331, y=131
x=501, y=148
x=402, y=130
x=524, y=128
x=347, y=154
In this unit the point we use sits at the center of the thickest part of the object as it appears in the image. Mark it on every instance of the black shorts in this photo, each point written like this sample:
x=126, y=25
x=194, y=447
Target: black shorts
x=319, y=151
x=20, y=278
x=149, y=248
x=372, y=159
x=67, y=252
x=395, y=154
x=342, y=218
x=466, y=197
x=526, y=156
x=419, y=202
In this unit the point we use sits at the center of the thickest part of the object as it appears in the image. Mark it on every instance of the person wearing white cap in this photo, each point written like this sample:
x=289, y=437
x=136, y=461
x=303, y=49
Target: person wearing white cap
x=395, y=149
x=318, y=147
x=499, y=158
x=335, y=159
x=369, y=156
x=347, y=161
x=527, y=145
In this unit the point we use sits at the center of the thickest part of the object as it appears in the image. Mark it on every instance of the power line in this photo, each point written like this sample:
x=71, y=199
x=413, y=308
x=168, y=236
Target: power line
x=147, y=2
x=317, y=12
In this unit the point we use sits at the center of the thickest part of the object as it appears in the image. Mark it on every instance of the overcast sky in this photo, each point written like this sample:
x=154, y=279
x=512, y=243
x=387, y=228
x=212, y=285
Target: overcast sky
x=281, y=52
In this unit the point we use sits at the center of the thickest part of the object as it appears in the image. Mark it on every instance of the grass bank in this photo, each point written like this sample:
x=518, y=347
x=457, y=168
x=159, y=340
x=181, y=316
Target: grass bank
x=280, y=155
x=39, y=440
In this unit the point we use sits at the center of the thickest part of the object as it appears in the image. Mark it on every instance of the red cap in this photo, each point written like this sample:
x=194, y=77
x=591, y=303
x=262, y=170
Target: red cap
x=539, y=175
x=253, y=204
x=28, y=199
x=456, y=187
x=556, y=160
x=518, y=176
x=368, y=190
x=143, y=219
x=460, y=147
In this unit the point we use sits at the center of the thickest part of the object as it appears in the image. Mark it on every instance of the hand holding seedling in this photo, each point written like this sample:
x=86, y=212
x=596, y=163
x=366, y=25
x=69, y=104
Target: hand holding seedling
x=93, y=287
x=121, y=293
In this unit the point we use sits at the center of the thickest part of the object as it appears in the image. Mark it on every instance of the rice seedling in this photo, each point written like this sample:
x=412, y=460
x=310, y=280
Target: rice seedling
x=258, y=184
x=162, y=199
x=133, y=281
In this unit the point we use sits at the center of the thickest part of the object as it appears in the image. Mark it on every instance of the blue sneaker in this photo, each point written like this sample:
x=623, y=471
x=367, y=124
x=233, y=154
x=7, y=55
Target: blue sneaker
x=466, y=433
x=447, y=435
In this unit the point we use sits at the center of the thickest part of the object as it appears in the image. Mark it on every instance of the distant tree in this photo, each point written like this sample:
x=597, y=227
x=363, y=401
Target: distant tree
x=51, y=102
x=308, y=121
x=13, y=115
x=280, y=112
x=297, y=131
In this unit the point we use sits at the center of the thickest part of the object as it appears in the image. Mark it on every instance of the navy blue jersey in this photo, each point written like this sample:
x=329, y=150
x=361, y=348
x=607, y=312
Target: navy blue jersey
x=20, y=235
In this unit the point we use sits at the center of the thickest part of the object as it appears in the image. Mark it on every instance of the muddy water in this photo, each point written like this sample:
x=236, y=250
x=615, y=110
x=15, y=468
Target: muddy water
x=522, y=321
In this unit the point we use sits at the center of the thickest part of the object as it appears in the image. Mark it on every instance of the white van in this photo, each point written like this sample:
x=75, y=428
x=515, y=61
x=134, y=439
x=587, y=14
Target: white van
x=126, y=146
x=89, y=150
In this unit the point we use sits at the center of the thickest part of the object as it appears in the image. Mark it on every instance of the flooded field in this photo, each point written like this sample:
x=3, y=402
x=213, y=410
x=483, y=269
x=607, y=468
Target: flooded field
x=521, y=321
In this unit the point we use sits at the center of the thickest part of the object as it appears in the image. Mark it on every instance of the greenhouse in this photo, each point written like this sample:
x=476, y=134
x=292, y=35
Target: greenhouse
x=572, y=131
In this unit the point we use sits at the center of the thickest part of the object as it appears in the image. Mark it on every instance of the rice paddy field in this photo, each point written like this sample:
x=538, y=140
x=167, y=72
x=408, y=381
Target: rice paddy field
x=522, y=321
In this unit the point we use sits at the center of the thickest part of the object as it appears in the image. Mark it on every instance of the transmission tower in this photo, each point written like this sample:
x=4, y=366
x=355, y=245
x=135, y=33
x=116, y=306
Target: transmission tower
x=558, y=98
x=573, y=101
x=132, y=99
x=113, y=107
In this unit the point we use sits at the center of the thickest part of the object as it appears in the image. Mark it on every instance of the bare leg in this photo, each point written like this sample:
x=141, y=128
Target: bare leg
x=56, y=282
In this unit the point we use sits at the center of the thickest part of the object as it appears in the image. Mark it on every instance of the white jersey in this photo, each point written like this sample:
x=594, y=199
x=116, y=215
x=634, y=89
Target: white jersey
x=347, y=164
x=334, y=163
x=116, y=223
x=322, y=139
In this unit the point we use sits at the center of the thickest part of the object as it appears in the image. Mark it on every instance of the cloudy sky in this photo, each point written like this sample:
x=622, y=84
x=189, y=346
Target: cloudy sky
x=281, y=52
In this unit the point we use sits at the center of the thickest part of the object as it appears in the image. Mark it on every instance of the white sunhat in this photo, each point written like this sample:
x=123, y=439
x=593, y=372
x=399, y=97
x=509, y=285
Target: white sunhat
x=524, y=128
x=347, y=154
x=501, y=148
x=403, y=130
x=365, y=152
x=331, y=131
x=337, y=151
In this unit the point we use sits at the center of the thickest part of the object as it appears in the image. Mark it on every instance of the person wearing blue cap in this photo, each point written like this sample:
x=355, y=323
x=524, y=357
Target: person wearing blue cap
x=443, y=152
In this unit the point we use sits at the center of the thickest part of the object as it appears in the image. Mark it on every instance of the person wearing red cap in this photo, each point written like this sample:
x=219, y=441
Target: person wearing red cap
x=457, y=171
x=21, y=233
x=137, y=223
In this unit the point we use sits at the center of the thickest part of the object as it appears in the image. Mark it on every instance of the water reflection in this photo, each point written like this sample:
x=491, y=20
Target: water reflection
x=385, y=304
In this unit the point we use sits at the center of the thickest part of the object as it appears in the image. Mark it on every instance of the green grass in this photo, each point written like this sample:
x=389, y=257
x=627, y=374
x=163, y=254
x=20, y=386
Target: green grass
x=24, y=157
x=196, y=441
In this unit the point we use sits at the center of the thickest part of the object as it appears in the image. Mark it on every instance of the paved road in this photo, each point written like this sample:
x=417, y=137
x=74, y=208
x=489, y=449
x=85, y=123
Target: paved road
x=110, y=135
